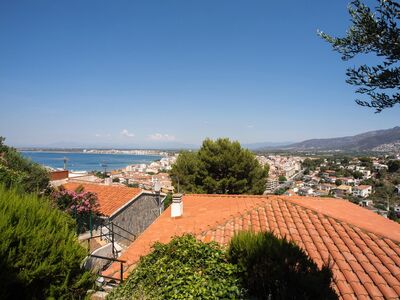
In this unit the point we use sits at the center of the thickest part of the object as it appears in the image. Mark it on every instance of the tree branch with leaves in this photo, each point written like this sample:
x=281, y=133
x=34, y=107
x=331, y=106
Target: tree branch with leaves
x=373, y=31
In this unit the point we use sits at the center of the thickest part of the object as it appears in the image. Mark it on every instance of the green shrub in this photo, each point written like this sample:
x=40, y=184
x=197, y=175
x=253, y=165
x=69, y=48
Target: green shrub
x=17, y=171
x=274, y=268
x=182, y=269
x=39, y=253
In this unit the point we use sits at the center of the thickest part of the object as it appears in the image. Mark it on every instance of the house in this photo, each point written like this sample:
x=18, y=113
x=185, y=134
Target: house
x=306, y=191
x=362, y=247
x=366, y=203
x=342, y=191
x=321, y=193
x=346, y=181
x=366, y=174
x=378, y=166
x=131, y=209
x=326, y=187
x=331, y=179
x=362, y=191
x=58, y=175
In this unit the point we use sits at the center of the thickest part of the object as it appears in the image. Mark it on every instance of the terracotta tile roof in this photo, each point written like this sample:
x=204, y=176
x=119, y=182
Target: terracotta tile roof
x=363, y=247
x=362, y=187
x=110, y=198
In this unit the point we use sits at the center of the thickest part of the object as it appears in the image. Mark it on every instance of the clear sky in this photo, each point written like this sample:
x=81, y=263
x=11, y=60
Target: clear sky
x=129, y=73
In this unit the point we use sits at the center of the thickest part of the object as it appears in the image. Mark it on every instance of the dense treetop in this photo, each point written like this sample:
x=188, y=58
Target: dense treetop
x=219, y=167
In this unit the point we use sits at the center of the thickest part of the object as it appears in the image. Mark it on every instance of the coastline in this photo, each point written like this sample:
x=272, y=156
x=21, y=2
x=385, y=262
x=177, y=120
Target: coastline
x=89, y=161
x=81, y=152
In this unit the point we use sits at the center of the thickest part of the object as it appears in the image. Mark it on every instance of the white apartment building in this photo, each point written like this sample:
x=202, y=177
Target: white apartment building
x=362, y=191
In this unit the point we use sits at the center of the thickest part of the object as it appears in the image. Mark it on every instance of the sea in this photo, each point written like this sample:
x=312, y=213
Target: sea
x=79, y=161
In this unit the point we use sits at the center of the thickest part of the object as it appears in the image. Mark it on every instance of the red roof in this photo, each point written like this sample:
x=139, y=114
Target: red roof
x=363, y=246
x=110, y=197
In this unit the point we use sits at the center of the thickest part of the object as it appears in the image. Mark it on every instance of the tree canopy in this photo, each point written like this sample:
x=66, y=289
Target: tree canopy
x=373, y=31
x=219, y=167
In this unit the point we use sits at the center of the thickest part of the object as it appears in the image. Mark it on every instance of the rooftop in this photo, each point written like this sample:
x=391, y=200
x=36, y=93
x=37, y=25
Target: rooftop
x=110, y=197
x=363, y=246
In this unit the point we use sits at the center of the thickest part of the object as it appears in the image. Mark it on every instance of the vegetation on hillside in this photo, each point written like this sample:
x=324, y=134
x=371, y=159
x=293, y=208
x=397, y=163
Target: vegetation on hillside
x=219, y=167
x=19, y=172
x=39, y=253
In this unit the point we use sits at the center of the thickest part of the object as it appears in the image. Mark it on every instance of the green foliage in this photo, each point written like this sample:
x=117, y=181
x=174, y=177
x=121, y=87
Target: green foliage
x=282, y=178
x=101, y=175
x=132, y=185
x=167, y=201
x=39, y=253
x=280, y=191
x=116, y=179
x=182, y=269
x=392, y=215
x=342, y=172
x=393, y=165
x=373, y=31
x=17, y=171
x=274, y=268
x=186, y=172
x=358, y=174
x=338, y=182
x=311, y=164
x=219, y=167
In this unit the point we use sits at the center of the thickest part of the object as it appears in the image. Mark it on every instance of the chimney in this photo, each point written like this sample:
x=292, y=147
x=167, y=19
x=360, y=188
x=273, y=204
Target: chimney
x=108, y=181
x=176, y=206
x=157, y=192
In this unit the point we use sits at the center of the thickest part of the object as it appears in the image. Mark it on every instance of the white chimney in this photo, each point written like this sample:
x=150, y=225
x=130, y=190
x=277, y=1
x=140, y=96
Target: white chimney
x=177, y=206
x=107, y=181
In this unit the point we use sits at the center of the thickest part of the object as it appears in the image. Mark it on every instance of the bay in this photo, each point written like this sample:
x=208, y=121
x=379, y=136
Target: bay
x=79, y=161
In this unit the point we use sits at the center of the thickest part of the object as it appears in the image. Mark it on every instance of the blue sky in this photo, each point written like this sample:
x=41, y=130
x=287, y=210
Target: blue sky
x=129, y=73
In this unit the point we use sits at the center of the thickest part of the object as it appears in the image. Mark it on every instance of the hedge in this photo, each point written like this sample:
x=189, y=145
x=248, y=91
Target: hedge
x=182, y=269
x=39, y=253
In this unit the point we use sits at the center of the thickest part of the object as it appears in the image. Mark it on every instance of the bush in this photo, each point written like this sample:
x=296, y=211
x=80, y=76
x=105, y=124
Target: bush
x=182, y=269
x=274, y=268
x=39, y=253
x=17, y=171
x=393, y=166
x=82, y=206
x=282, y=178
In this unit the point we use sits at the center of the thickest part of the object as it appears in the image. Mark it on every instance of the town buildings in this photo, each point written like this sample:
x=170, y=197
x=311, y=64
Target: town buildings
x=279, y=165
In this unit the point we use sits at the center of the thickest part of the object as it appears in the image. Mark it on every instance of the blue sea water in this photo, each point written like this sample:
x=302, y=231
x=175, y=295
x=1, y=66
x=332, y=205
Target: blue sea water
x=87, y=161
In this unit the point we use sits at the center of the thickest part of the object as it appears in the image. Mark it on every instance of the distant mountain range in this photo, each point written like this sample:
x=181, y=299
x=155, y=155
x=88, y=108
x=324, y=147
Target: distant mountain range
x=256, y=146
x=378, y=140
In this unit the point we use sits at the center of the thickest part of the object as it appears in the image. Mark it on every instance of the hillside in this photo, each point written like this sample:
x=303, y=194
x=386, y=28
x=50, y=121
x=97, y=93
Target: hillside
x=368, y=141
